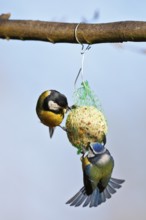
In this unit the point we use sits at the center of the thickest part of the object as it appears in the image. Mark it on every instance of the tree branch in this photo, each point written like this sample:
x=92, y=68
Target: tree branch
x=57, y=32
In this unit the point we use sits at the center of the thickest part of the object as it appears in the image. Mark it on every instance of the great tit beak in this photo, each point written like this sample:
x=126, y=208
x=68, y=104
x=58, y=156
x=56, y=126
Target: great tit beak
x=72, y=107
x=68, y=108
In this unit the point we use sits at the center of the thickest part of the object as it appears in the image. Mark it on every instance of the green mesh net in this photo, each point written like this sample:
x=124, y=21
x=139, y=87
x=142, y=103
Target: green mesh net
x=86, y=122
x=84, y=96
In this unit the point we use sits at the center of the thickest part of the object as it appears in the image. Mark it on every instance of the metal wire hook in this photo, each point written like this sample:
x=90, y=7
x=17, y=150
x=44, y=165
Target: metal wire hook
x=76, y=36
x=83, y=50
x=81, y=70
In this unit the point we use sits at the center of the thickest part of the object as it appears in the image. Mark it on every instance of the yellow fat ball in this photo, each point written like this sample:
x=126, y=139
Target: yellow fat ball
x=85, y=124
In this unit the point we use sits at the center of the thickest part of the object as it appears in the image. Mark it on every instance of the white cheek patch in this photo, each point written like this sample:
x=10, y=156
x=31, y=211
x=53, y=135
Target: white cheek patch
x=104, y=159
x=53, y=106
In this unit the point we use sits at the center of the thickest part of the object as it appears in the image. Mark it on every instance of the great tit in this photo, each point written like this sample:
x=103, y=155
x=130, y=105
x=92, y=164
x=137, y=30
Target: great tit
x=51, y=108
x=97, y=168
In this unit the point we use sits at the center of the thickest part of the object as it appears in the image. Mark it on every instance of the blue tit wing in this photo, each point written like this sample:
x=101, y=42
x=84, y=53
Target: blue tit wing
x=81, y=200
x=115, y=183
x=87, y=180
x=97, y=197
x=112, y=186
x=108, y=187
x=107, y=194
x=81, y=197
x=86, y=193
x=75, y=196
x=78, y=198
x=115, y=180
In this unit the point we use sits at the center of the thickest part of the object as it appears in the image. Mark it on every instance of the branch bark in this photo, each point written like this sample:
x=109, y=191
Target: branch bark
x=57, y=32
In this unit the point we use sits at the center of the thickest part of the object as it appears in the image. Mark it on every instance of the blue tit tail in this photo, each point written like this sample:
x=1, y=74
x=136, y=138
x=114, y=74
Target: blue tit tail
x=97, y=197
x=82, y=198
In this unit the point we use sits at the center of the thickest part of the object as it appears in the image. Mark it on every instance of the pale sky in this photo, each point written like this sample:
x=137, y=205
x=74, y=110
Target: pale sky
x=39, y=174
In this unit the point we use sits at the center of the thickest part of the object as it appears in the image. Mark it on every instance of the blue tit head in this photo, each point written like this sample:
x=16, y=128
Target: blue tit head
x=97, y=148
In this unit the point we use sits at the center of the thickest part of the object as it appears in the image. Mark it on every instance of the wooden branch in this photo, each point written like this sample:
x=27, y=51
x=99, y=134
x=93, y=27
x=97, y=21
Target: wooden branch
x=57, y=32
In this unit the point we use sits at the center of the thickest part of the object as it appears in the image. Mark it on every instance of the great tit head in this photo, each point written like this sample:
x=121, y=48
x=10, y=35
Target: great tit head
x=55, y=101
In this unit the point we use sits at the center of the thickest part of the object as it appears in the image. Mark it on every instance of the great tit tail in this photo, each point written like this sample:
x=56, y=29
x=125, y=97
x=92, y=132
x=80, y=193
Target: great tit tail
x=51, y=131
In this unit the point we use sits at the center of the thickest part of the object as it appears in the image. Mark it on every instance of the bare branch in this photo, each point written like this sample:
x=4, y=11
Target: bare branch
x=57, y=32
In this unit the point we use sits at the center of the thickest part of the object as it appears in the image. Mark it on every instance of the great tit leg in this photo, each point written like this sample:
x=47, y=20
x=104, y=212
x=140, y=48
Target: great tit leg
x=63, y=128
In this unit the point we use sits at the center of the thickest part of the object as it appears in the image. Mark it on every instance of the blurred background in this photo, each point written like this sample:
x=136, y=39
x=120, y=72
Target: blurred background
x=38, y=174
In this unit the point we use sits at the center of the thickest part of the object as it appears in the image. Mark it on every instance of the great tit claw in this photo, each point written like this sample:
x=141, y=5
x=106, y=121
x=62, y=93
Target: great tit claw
x=63, y=128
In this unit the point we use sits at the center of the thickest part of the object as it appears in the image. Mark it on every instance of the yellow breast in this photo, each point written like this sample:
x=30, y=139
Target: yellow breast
x=50, y=118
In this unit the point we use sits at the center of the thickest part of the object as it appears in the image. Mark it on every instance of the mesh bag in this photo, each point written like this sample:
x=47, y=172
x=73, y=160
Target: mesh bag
x=84, y=96
x=85, y=122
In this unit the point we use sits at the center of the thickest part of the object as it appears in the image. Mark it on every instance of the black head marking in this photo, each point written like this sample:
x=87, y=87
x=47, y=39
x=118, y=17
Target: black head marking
x=56, y=97
x=59, y=98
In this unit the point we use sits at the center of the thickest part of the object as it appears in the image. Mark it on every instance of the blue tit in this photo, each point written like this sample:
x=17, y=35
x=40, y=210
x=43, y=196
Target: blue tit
x=97, y=168
x=51, y=108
